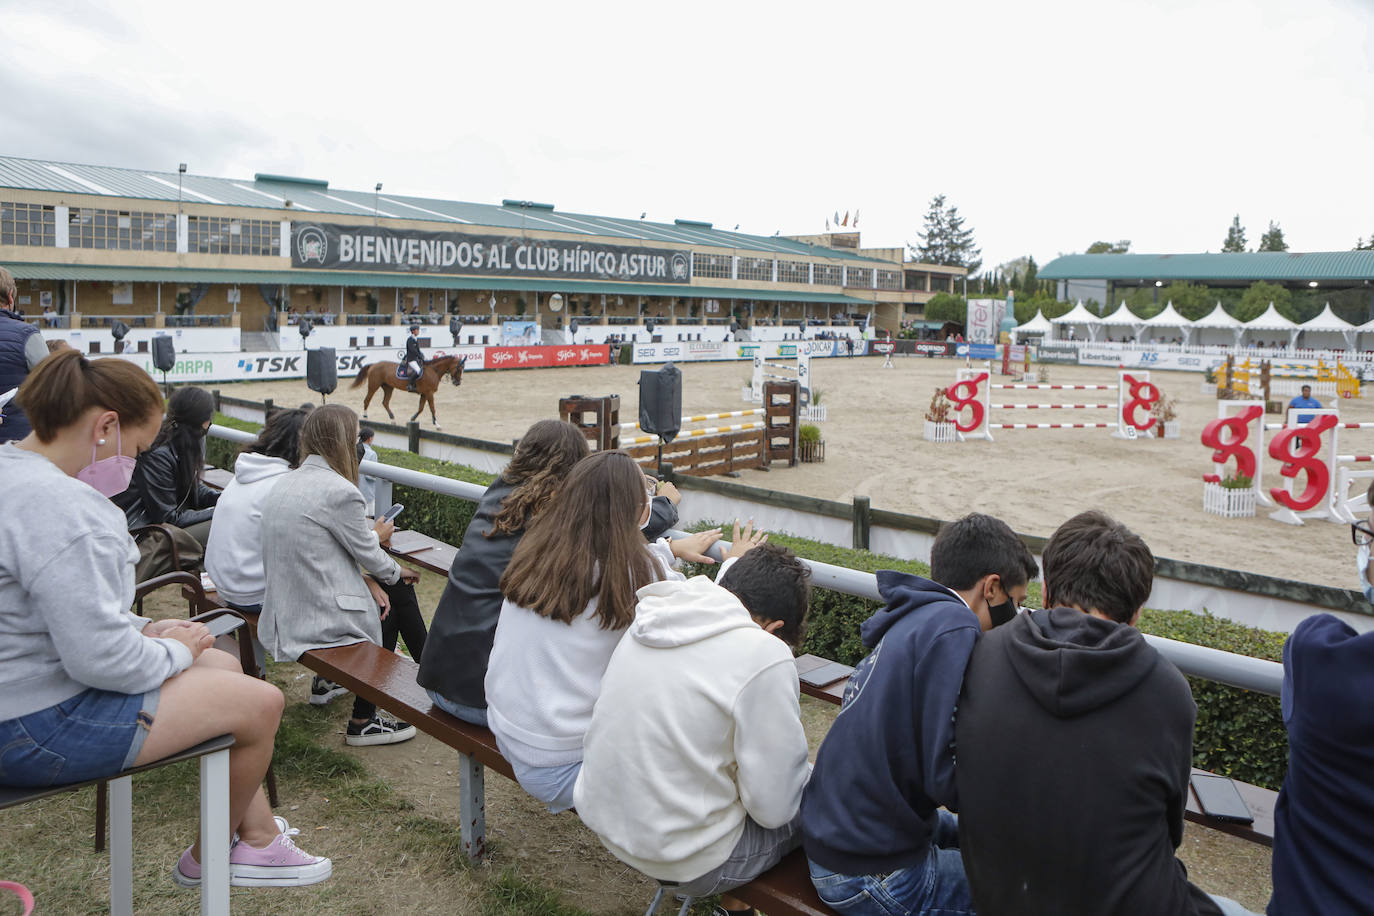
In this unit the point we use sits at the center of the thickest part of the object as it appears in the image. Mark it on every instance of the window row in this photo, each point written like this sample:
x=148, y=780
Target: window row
x=889, y=279
x=27, y=224
x=755, y=269
x=711, y=265
x=125, y=230
x=225, y=235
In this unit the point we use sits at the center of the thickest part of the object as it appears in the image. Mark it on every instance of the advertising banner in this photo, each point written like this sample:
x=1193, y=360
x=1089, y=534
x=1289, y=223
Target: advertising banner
x=329, y=246
x=534, y=357
x=687, y=351
x=519, y=333
x=976, y=350
x=984, y=320
x=272, y=364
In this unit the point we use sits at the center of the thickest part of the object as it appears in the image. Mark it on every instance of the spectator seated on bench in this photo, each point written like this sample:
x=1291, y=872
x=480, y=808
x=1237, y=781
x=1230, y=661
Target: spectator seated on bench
x=870, y=815
x=233, y=556
x=315, y=535
x=1075, y=744
x=454, y=663
x=1321, y=862
x=104, y=689
x=570, y=593
x=166, y=487
x=695, y=758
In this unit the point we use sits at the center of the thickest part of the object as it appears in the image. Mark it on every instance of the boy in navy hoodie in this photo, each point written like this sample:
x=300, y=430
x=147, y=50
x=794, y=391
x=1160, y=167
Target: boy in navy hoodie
x=874, y=835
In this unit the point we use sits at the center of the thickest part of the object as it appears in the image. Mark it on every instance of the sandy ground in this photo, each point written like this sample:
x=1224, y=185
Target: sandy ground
x=1034, y=479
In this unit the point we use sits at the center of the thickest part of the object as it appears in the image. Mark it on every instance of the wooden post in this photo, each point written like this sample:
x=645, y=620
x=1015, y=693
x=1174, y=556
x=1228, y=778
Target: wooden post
x=862, y=522
x=413, y=437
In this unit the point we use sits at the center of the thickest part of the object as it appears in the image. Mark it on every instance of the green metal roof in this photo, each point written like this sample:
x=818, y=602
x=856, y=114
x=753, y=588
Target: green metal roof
x=1282, y=266
x=87, y=272
x=312, y=198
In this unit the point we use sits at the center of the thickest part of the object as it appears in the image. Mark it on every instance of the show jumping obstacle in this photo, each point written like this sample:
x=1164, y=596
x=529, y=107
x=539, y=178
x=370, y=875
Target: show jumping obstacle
x=799, y=372
x=1311, y=449
x=717, y=449
x=973, y=391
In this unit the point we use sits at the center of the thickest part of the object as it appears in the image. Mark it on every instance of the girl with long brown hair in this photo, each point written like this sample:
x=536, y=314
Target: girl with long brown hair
x=315, y=535
x=570, y=595
x=460, y=637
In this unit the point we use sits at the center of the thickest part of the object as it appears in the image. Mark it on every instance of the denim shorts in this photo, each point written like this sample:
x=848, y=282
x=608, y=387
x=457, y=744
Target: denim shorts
x=93, y=734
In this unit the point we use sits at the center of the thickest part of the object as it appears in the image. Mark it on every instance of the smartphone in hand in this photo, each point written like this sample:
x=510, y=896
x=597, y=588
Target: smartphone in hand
x=394, y=511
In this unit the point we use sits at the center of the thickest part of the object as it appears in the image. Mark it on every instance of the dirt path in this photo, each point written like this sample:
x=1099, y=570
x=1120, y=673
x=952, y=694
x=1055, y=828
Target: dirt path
x=1034, y=479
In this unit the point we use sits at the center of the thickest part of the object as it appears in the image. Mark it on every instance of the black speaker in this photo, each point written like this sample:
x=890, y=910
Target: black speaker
x=572, y=326
x=164, y=353
x=453, y=325
x=660, y=401
x=321, y=370
x=304, y=327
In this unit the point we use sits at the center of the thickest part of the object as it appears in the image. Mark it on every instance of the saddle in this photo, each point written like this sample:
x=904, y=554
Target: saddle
x=403, y=373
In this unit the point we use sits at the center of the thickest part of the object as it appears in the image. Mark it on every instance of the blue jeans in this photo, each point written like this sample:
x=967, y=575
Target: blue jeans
x=93, y=734
x=469, y=714
x=936, y=886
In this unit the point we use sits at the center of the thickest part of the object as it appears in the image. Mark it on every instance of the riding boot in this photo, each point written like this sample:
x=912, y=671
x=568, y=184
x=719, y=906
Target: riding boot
x=410, y=386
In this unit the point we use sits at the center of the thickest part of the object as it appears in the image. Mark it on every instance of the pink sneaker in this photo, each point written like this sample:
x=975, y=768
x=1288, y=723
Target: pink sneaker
x=280, y=864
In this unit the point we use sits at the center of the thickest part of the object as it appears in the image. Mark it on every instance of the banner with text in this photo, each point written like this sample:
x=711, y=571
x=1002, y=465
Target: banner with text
x=984, y=320
x=329, y=246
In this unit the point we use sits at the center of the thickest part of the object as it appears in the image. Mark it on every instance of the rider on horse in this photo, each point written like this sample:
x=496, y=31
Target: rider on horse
x=415, y=359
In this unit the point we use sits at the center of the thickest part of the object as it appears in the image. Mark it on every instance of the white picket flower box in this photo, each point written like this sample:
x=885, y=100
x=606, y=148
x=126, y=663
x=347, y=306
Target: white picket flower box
x=1226, y=502
x=939, y=432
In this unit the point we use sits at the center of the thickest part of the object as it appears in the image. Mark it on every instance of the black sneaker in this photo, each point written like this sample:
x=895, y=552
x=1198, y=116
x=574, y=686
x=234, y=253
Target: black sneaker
x=322, y=691
x=382, y=728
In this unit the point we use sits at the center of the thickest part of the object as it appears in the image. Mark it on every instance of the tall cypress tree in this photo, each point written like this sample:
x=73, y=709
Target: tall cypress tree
x=1272, y=240
x=945, y=240
x=1235, y=236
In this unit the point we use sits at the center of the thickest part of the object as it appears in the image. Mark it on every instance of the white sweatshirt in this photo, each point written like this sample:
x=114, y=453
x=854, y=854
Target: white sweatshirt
x=698, y=725
x=233, y=556
x=544, y=676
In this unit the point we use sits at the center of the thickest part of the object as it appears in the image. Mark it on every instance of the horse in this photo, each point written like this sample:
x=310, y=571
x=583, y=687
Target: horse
x=383, y=373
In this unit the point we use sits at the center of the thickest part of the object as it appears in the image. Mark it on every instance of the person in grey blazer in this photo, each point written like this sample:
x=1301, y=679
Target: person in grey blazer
x=315, y=536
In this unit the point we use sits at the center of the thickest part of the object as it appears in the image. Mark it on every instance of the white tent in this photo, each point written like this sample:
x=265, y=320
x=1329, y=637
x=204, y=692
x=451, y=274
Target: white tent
x=1320, y=332
x=1217, y=323
x=1271, y=320
x=1366, y=328
x=1038, y=325
x=1123, y=318
x=1167, y=320
x=1079, y=317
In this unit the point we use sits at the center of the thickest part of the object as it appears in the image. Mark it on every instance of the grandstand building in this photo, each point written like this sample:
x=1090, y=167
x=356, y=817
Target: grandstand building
x=91, y=245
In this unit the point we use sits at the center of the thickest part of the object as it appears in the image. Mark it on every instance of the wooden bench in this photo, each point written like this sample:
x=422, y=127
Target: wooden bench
x=214, y=823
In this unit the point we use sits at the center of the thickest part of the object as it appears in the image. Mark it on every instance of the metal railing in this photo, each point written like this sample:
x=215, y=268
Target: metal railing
x=1242, y=671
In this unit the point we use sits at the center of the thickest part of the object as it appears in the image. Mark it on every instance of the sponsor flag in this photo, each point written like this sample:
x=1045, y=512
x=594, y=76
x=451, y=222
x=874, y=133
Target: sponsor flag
x=837, y=217
x=856, y=219
x=846, y=219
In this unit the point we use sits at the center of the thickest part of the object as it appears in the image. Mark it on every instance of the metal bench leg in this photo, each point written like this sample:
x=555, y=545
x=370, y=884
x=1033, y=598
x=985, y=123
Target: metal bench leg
x=472, y=806
x=214, y=834
x=653, y=905
x=122, y=846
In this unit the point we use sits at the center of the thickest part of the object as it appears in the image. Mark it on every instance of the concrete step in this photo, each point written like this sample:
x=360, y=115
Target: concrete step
x=259, y=340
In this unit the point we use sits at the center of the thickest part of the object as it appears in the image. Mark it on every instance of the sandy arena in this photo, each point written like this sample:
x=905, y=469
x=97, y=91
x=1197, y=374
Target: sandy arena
x=1034, y=479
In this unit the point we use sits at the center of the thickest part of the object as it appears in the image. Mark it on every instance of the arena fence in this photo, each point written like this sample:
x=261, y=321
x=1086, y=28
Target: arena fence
x=1258, y=600
x=1214, y=664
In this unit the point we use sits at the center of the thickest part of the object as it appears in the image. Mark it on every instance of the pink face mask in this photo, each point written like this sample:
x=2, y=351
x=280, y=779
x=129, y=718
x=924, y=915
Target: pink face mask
x=110, y=476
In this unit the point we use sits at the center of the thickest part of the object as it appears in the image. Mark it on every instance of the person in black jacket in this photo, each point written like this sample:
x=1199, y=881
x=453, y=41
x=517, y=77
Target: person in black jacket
x=21, y=349
x=415, y=357
x=1075, y=744
x=166, y=486
x=876, y=840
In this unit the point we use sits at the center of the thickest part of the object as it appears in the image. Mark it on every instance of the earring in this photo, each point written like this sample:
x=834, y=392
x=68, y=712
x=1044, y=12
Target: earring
x=100, y=442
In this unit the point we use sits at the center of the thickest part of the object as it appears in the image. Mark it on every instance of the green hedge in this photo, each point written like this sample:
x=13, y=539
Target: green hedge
x=1239, y=733
x=438, y=516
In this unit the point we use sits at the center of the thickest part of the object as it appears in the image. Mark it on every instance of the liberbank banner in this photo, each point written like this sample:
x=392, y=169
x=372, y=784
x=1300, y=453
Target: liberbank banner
x=327, y=246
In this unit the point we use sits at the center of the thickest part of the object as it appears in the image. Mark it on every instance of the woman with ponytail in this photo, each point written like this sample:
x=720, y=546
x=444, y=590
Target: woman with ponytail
x=167, y=487
x=88, y=689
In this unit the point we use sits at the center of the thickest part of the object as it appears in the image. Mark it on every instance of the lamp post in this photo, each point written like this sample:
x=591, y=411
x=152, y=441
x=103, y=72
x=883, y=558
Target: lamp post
x=376, y=195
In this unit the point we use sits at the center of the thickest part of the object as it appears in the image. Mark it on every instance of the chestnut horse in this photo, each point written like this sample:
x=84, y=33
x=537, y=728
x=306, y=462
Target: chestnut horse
x=383, y=374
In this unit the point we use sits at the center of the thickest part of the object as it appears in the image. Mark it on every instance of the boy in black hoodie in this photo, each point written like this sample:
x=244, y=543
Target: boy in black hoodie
x=874, y=835
x=1075, y=746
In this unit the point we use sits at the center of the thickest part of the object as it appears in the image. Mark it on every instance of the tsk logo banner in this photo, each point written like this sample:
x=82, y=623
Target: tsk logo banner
x=329, y=246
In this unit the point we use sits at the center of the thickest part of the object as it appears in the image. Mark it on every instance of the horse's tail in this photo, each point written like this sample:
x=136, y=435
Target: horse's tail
x=362, y=376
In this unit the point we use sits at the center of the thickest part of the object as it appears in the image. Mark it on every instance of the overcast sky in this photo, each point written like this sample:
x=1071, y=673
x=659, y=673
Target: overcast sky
x=1048, y=124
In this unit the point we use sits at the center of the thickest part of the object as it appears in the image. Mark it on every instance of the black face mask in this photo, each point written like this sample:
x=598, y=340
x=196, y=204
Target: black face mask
x=1001, y=613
